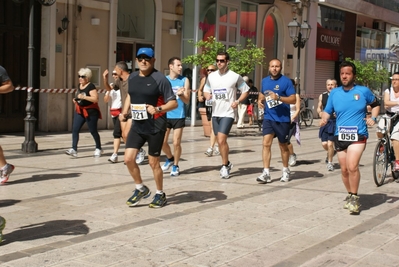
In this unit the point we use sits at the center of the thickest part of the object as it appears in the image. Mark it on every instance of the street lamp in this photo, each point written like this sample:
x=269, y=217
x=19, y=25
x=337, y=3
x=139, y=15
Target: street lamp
x=299, y=35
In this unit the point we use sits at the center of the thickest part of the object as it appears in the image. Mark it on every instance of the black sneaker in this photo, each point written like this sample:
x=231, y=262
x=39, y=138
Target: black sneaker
x=159, y=201
x=137, y=196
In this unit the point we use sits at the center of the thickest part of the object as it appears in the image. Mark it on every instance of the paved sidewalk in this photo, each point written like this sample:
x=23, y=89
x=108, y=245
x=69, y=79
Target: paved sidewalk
x=62, y=211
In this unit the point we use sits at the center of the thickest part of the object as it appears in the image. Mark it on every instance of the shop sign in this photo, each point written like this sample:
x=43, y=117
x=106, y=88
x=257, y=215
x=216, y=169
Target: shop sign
x=329, y=39
x=383, y=54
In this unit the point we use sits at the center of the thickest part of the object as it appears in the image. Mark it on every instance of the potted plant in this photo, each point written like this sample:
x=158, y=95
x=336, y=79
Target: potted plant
x=243, y=60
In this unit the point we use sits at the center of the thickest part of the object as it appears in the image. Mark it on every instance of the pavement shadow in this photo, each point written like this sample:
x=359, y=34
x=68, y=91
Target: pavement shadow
x=8, y=202
x=296, y=175
x=371, y=201
x=47, y=229
x=258, y=171
x=44, y=177
x=240, y=151
x=199, y=169
x=196, y=196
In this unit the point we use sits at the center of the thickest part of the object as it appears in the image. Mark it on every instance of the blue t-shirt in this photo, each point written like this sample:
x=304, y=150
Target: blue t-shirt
x=283, y=87
x=179, y=112
x=350, y=107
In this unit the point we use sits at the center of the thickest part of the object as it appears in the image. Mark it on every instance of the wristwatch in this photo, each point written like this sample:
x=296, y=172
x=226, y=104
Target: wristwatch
x=278, y=97
x=159, y=109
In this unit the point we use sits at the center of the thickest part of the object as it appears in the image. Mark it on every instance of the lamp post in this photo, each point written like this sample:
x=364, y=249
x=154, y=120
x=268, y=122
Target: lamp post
x=299, y=35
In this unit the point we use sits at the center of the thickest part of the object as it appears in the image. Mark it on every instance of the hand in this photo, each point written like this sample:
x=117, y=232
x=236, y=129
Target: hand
x=105, y=74
x=370, y=121
x=323, y=122
x=180, y=91
x=151, y=109
x=201, y=98
x=234, y=105
x=122, y=117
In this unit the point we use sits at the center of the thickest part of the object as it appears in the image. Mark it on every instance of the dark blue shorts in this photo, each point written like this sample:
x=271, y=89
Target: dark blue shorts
x=326, y=132
x=175, y=123
x=279, y=129
x=222, y=125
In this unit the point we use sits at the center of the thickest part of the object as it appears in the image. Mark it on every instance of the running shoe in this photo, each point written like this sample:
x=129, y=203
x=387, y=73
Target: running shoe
x=2, y=226
x=175, y=171
x=158, y=201
x=354, y=204
x=98, y=152
x=71, y=152
x=209, y=152
x=225, y=171
x=347, y=200
x=330, y=166
x=285, y=177
x=167, y=165
x=137, y=196
x=5, y=173
x=140, y=156
x=113, y=158
x=216, y=151
x=292, y=160
x=264, y=178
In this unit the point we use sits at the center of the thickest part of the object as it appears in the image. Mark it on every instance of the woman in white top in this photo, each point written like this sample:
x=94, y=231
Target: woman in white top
x=294, y=129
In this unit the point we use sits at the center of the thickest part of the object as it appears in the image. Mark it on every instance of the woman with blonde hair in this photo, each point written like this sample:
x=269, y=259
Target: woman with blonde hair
x=86, y=111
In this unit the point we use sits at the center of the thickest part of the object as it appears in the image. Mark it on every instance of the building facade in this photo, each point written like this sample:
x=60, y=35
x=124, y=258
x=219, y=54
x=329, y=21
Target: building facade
x=101, y=32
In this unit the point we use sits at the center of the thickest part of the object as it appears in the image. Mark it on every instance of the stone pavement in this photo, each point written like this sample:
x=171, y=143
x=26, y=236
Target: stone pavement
x=62, y=211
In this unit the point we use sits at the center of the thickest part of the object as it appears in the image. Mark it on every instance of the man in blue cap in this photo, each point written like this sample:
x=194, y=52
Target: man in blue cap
x=150, y=96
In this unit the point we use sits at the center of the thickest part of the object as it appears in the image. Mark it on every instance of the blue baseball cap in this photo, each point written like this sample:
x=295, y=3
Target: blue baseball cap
x=145, y=51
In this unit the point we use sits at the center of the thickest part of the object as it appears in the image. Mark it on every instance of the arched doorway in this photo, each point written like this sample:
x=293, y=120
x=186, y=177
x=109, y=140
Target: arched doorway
x=270, y=38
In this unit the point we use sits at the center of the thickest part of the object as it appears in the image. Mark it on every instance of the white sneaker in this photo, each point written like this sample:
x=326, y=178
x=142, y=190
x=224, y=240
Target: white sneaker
x=264, y=178
x=209, y=152
x=225, y=171
x=71, y=152
x=113, y=158
x=98, y=152
x=330, y=166
x=140, y=156
x=292, y=160
x=286, y=176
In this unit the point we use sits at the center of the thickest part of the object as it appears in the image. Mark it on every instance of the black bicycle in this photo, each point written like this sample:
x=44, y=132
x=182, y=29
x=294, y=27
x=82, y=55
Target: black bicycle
x=305, y=114
x=384, y=156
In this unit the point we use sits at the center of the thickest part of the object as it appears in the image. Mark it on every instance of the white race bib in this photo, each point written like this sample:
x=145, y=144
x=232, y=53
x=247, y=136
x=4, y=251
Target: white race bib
x=220, y=94
x=347, y=133
x=139, y=112
x=271, y=103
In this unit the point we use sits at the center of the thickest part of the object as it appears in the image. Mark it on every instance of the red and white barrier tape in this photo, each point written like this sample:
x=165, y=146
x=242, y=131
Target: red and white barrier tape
x=54, y=90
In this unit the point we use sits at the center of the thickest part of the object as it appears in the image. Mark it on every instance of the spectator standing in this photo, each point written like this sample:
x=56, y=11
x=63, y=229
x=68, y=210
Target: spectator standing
x=176, y=119
x=221, y=86
x=86, y=111
x=251, y=99
x=276, y=95
x=294, y=127
x=349, y=102
x=150, y=96
x=242, y=107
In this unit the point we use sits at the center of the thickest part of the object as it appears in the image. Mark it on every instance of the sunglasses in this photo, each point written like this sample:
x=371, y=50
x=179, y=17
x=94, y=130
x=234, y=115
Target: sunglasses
x=221, y=60
x=208, y=70
x=82, y=76
x=147, y=59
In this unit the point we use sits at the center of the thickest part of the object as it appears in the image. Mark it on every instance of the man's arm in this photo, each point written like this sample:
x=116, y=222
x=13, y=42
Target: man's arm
x=185, y=94
x=105, y=80
x=320, y=105
x=6, y=87
x=125, y=109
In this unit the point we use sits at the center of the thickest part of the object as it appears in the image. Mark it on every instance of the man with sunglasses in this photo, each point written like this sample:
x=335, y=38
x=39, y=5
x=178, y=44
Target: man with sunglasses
x=221, y=86
x=150, y=96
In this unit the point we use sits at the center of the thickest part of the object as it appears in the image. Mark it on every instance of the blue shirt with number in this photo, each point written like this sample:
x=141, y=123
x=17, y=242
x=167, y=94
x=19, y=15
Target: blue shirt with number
x=350, y=107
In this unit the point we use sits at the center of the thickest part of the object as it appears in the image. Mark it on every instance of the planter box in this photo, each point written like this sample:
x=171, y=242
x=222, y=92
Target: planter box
x=206, y=125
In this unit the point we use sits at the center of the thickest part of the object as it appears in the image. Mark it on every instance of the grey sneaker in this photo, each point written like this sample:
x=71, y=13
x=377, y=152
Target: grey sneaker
x=71, y=152
x=113, y=158
x=354, y=204
x=216, y=151
x=264, y=178
x=5, y=173
x=347, y=199
x=330, y=167
x=292, y=160
x=209, y=152
x=285, y=177
x=140, y=156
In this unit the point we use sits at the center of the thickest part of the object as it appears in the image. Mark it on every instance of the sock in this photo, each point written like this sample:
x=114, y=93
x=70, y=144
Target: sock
x=349, y=193
x=355, y=194
x=160, y=192
x=140, y=187
x=266, y=170
x=172, y=159
x=228, y=163
x=285, y=169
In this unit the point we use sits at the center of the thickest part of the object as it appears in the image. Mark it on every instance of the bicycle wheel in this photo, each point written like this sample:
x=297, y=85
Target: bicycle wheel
x=308, y=117
x=380, y=163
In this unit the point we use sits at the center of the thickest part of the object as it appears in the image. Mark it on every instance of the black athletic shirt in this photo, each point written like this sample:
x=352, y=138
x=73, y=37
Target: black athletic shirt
x=155, y=90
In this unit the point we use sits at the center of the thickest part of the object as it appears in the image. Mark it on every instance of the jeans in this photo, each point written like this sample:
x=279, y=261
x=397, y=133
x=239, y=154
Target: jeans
x=78, y=121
